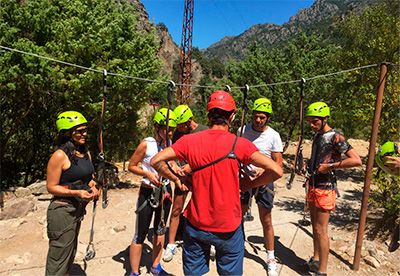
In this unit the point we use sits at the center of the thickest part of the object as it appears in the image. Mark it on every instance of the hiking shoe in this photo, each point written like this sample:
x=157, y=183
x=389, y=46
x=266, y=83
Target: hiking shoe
x=272, y=268
x=169, y=252
x=312, y=265
x=158, y=271
x=320, y=274
x=212, y=252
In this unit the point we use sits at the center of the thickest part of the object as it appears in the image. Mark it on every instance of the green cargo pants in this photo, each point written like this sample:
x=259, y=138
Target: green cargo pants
x=63, y=224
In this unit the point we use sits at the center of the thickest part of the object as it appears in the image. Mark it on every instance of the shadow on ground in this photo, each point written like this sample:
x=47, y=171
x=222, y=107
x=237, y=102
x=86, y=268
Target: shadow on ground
x=283, y=254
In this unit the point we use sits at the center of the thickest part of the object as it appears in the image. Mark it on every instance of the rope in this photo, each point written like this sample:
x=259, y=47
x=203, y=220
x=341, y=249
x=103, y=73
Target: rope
x=193, y=85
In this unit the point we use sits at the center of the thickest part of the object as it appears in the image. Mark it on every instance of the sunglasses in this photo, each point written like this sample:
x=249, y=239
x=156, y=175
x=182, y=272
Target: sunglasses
x=81, y=131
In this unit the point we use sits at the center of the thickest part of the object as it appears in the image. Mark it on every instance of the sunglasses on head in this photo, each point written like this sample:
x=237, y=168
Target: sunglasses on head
x=81, y=131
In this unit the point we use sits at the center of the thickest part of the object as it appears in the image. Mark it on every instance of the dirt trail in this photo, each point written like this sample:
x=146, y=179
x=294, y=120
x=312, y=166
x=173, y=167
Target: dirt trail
x=23, y=241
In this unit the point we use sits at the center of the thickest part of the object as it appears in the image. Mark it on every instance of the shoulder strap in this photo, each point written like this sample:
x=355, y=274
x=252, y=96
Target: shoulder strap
x=230, y=155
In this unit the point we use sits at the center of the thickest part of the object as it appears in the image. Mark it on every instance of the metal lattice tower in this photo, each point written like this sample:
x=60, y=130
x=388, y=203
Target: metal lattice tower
x=185, y=62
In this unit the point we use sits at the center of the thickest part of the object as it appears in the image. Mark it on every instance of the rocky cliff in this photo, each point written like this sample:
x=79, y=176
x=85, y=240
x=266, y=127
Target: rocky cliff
x=169, y=51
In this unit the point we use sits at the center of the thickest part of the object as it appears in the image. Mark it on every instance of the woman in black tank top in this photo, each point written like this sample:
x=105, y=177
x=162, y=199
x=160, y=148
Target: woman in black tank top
x=70, y=179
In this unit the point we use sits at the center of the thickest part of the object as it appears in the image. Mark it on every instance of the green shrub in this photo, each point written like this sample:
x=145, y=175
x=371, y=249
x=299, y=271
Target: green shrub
x=386, y=194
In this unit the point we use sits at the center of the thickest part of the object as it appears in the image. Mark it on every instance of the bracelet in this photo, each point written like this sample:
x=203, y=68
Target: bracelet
x=331, y=165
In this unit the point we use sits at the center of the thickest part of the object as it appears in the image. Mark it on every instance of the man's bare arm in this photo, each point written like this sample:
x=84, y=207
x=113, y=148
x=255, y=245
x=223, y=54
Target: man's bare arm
x=272, y=171
x=159, y=163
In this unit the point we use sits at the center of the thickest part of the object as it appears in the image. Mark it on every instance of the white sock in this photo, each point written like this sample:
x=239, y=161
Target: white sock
x=271, y=254
x=171, y=246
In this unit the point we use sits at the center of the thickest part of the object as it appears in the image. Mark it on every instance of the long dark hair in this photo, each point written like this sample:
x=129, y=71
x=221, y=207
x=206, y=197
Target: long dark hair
x=68, y=145
x=219, y=117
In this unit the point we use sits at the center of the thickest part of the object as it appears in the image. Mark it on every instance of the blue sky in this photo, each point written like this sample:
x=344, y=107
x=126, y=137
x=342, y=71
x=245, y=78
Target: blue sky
x=215, y=19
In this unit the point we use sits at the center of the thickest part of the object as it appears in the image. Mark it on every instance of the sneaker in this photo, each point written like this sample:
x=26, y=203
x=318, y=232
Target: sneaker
x=133, y=274
x=272, y=268
x=212, y=252
x=158, y=271
x=312, y=265
x=169, y=252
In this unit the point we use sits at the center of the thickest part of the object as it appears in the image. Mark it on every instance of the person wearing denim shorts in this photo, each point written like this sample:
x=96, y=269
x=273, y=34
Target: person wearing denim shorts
x=328, y=146
x=213, y=215
x=269, y=142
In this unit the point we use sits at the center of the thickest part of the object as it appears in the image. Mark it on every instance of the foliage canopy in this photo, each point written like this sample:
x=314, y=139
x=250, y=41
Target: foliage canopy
x=94, y=34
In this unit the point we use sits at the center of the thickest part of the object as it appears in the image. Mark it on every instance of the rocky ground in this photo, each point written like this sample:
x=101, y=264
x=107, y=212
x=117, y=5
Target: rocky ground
x=24, y=243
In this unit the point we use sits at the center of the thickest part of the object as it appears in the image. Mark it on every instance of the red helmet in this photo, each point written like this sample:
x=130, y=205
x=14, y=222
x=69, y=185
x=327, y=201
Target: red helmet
x=222, y=100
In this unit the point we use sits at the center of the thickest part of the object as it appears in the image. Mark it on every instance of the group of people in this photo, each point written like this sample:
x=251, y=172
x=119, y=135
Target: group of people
x=222, y=171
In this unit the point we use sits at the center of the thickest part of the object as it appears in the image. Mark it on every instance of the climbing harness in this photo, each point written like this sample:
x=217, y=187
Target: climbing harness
x=157, y=196
x=78, y=203
x=230, y=155
x=298, y=158
x=312, y=174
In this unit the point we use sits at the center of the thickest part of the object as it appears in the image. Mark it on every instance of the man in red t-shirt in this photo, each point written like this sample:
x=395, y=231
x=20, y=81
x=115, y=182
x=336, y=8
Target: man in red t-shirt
x=214, y=212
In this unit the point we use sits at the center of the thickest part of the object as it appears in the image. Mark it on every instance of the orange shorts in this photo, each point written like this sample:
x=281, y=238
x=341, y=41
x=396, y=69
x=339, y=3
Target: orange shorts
x=324, y=199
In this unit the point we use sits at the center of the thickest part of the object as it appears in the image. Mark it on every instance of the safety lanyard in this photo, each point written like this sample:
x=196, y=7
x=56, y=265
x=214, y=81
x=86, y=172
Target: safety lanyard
x=244, y=106
x=101, y=166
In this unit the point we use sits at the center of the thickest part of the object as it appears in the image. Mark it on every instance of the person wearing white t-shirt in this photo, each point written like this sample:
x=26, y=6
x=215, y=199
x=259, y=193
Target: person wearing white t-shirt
x=269, y=143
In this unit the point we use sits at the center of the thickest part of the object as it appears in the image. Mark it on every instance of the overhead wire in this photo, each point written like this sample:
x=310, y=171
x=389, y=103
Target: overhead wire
x=239, y=13
x=223, y=15
x=192, y=85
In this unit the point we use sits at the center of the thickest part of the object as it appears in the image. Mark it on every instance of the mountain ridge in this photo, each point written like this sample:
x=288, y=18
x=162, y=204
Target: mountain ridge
x=319, y=15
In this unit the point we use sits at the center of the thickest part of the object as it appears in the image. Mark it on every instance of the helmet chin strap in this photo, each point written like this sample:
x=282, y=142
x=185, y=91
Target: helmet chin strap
x=158, y=133
x=323, y=124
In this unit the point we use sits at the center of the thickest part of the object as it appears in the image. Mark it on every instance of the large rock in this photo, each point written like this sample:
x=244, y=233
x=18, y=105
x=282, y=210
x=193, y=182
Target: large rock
x=20, y=208
x=38, y=188
x=372, y=261
x=21, y=192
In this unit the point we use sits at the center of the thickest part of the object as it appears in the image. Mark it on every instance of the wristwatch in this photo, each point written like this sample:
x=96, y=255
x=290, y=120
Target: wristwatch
x=331, y=165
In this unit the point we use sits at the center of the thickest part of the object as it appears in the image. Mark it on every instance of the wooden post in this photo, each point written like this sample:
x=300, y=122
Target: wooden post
x=368, y=175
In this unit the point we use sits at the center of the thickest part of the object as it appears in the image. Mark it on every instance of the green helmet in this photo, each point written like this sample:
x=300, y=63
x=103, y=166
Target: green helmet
x=318, y=109
x=387, y=149
x=69, y=119
x=161, y=117
x=182, y=113
x=263, y=105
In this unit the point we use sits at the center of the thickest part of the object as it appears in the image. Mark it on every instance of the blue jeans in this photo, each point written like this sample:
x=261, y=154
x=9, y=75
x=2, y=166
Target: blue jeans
x=196, y=250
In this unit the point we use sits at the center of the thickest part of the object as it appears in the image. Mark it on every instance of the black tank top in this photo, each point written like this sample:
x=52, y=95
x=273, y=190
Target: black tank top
x=83, y=170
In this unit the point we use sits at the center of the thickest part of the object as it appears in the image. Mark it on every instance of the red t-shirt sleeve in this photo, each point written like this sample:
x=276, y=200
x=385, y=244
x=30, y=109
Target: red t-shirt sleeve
x=244, y=150
x=179, y=148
